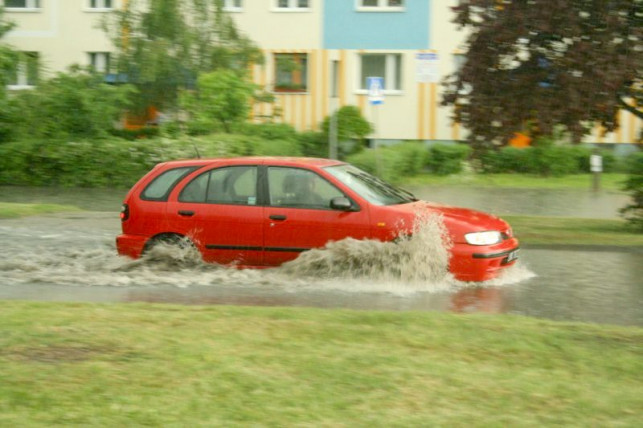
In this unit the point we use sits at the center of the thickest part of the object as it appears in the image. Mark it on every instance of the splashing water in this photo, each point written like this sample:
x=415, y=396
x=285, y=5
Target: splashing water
x=416, y=262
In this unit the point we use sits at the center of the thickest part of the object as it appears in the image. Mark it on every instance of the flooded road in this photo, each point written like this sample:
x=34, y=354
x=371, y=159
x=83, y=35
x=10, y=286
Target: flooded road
x=71, y=257
x=539, y=202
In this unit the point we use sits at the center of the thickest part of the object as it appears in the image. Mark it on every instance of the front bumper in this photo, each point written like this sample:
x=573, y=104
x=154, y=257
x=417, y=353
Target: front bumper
x=482, y=263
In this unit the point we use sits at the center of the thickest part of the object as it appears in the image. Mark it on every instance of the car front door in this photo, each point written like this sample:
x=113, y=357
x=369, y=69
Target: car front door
x=219, y=211
x=298, y=215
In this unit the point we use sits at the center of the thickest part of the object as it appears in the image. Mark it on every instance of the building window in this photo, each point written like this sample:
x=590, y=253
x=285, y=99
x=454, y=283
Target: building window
x=292, y=5
x=291, y=72
x=380, y=5
x=101, y=4
x=99, y=61
x=233, y=5
x=22, y=4
x=387, y=66
x=26, y=72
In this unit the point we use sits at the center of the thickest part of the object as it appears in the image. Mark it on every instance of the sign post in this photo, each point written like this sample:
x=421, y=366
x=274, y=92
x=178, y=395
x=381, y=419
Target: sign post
x=375, y=98
x=596, y=167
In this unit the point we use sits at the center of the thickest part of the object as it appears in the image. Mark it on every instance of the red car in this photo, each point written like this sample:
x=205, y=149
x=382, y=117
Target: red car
x=264, y=211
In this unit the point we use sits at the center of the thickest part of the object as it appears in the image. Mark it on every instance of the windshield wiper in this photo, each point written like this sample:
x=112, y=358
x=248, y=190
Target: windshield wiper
x=384, y=187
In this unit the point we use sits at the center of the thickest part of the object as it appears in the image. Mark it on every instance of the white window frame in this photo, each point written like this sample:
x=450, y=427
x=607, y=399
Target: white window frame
x=229, y=5
x=30, y=6
x=382, y=6
x=293, y=6
x=389, y=71
x=99, y=61
x=100, y=6
x=23, y=74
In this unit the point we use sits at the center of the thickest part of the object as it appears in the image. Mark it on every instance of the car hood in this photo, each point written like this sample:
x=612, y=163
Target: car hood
x=458, y=221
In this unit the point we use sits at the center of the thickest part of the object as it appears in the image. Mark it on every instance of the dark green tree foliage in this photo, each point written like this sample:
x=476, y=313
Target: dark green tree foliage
x=546, y=63
x=163, y=45
x=77, y=104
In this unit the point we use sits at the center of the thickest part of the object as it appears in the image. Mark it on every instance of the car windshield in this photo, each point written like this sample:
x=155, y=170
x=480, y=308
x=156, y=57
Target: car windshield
x=369, y=187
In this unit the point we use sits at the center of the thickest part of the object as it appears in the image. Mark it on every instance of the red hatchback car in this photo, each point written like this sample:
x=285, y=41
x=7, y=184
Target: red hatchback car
x=264, y=211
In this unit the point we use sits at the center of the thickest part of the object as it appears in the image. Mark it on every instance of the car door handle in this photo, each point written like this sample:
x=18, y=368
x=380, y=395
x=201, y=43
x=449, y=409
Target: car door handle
x=278, y=217
x=186, y=213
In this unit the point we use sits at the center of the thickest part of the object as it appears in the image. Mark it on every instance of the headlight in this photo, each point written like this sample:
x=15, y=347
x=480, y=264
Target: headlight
x=483, y=238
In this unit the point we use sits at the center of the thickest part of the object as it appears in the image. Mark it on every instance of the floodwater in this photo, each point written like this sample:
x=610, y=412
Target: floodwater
x=71, y=257
x=539, y=202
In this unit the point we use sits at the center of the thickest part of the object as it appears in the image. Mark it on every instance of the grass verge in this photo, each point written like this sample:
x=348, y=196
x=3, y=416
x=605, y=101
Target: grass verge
x=609, y=181
x=15, y=210
x=166, y=365
x=574, y=231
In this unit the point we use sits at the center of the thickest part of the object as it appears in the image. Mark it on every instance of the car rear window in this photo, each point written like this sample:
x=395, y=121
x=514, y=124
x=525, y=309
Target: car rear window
x=159, y=189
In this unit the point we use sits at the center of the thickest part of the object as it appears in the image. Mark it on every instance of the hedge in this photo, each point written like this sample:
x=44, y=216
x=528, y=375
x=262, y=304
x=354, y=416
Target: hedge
x=445, y=159
x=548, y=160
x=117, y=162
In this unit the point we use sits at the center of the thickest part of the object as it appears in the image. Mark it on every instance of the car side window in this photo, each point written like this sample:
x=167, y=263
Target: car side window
x=299, y=188
x=159, y=189
x=236, y=185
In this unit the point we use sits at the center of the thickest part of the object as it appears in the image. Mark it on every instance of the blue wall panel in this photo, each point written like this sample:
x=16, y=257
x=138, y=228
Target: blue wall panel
x=346, y=28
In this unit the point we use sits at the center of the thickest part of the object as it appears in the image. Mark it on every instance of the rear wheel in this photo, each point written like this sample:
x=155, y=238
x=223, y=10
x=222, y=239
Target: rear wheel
x=169, y=240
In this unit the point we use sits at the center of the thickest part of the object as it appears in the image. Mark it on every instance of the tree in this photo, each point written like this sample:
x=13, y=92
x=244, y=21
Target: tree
x=545, y=64
x=77, y=104
x=350, y=124
x=222, y=96
x=8, y=56
x=8, y=61
x=163, y=45
x=352, y=129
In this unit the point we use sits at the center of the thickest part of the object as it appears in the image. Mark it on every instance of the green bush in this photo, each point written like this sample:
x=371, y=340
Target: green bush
x=118, y=162
x=633, y=212
x=391, y=163
x=73, y=105
x=133, y=134
x=269, y=131
x=555, y=161
x=445, y=159
x=314, y=144
x=508, y=159
x=544, y=160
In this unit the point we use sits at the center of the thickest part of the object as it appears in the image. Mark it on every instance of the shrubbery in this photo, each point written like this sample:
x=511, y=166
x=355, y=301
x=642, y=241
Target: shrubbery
x=117, y=162
x=392, y=163
x=544, y=160
x=634, y=185
x=445, y=159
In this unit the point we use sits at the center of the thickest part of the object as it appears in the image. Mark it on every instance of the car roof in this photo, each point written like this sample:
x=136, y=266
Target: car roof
x=254, y=160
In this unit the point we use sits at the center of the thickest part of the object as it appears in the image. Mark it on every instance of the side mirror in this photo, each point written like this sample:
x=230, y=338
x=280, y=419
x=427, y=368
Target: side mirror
x=341, y=203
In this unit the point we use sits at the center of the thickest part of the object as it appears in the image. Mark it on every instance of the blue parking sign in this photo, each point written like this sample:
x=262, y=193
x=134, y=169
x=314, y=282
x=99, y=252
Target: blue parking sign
x=375, y=90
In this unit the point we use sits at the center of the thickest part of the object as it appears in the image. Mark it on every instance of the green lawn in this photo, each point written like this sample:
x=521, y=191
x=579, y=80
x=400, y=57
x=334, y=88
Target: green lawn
x=574, y=231
x=14, y=210
x=166, y=365
x=612, y=181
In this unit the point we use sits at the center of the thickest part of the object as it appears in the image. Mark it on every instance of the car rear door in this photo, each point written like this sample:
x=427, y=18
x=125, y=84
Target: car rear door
x=219, y=210
x=294, y=223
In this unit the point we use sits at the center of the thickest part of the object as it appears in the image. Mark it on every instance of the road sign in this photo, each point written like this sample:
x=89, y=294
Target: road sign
x=375, y=90
x=428, y=67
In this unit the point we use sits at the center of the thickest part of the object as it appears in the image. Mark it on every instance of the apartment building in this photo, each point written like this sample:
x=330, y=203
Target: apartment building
x=319, y=55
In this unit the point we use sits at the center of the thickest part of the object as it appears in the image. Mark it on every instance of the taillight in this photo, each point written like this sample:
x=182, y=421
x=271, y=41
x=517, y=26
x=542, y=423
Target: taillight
x=124, y=212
